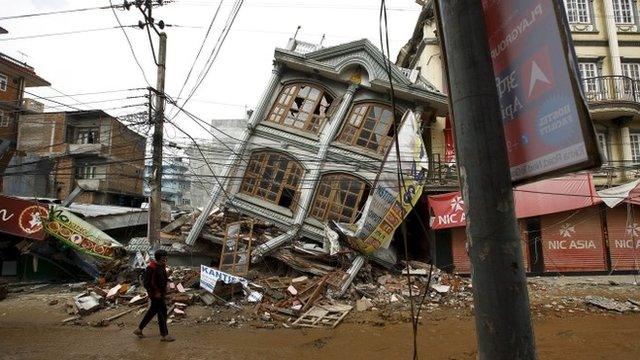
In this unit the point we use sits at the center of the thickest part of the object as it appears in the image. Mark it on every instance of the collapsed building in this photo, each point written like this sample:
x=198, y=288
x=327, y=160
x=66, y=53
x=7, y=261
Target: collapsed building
x=314, y=145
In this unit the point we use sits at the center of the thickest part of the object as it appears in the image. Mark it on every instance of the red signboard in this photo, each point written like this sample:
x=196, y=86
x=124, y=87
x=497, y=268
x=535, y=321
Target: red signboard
x=22, y=218
x=545, y=118
x=543, y=197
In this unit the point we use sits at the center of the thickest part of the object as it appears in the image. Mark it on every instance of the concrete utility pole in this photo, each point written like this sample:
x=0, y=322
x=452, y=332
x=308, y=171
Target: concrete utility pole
x=503, y=320
x=155, y=200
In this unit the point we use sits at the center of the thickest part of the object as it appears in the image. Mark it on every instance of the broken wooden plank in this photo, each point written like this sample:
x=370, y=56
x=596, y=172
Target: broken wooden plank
x=121, y=314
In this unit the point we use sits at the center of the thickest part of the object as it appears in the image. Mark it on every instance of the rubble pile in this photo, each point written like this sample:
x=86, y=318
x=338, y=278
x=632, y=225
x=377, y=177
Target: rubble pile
x=391, y=291
x=214, y=229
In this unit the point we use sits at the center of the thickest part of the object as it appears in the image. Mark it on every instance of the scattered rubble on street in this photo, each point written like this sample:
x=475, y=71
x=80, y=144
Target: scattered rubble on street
x=293, y=286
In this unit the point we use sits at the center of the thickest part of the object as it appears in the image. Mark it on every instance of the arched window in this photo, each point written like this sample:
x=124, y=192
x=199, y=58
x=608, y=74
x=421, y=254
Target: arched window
x=274, y=177
x=301, y=106
x=339, y=197
x=369, y=126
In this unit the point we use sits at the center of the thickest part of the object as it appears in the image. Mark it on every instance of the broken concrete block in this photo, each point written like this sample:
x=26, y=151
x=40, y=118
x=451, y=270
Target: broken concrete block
x=608, y=304
x=207, y=298
x=383, y=279
x=442, y=289
x=179, y=312
x=363, y=304
x=180, y=288
x=138, y=299
x=87, y=304
x=113, y=292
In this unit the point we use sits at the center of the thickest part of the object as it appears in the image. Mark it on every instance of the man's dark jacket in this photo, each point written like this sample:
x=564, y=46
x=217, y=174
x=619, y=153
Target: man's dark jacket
x=156, y=280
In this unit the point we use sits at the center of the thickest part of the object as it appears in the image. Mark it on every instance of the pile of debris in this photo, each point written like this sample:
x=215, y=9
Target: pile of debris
x=215, y=226
x=303, y=284
x=130, y=295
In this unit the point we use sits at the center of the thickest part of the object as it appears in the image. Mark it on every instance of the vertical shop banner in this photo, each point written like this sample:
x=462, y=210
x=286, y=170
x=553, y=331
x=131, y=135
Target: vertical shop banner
x=546, y=122
x=390, y=202
x=22, y=218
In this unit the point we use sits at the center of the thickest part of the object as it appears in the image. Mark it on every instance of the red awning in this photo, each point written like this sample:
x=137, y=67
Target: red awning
x=539, y=198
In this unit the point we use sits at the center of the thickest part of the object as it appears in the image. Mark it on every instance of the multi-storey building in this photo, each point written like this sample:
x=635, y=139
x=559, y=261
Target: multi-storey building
x=15, y=76
x=57, y=152
x=176, y=181
x=606, y=36
x=316, y=140
x=209, y=159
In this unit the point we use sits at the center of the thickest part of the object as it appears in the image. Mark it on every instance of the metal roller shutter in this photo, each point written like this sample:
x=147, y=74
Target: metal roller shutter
x=624, y=237
x=461, y=261
x=572, y=241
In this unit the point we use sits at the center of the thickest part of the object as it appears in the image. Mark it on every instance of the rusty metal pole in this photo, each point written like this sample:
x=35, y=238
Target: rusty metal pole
x=501, y=300
x=155, y=200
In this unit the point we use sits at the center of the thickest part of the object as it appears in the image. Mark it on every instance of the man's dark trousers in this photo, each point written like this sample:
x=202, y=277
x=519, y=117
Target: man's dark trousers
x=158, y=307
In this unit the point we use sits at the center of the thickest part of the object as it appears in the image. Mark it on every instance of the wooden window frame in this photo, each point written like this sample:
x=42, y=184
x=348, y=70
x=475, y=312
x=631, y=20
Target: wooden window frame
x=330, y=199
x=267, y=179
x=354, y=127
x=282, y=107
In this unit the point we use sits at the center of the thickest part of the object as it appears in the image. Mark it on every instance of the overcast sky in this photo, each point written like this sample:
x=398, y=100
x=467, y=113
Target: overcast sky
x=102, y=61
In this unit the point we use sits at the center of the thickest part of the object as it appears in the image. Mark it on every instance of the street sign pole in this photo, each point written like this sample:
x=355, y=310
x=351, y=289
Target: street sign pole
x=503, y=320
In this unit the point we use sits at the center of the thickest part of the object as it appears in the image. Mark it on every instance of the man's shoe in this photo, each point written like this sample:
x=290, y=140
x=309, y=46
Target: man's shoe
x=138, y=333
x=167, y=338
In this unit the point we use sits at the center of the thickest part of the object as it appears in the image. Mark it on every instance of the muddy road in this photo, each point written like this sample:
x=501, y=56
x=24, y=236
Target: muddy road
x=30, y=328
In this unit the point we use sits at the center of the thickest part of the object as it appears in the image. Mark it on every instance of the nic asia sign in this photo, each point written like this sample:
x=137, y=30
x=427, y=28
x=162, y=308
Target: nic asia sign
x=545, y=118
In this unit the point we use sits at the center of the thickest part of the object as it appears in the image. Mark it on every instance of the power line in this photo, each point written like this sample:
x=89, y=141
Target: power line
x=204, y=40
x=215, y=51
x=65, y=33
x=133, y=53
x=22, y=16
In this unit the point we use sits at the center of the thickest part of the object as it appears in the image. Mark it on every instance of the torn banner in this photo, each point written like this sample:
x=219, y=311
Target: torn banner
x=387, y=206
x=209, y=277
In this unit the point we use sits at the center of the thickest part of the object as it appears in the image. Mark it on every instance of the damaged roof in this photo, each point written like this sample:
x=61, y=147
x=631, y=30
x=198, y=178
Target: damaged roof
x=332, y=61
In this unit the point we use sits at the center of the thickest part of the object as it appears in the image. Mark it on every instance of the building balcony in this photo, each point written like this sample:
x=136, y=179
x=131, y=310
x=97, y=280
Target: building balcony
x=441, y=176
x=612, y=97
x=87, y=149
x=92, y=184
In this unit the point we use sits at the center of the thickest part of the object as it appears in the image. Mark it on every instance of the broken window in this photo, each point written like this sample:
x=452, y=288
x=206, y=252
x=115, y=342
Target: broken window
x=369, y=126
x=274, y=177
x=88, y=136
x=339, y=197
x=234, y=258
x=301, y=106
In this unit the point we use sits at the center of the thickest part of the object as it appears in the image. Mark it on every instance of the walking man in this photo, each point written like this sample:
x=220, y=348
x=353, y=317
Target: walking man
x=155, y=281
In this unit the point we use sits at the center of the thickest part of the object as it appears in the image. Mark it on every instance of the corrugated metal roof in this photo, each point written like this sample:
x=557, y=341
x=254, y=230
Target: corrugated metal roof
x=91, y=210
